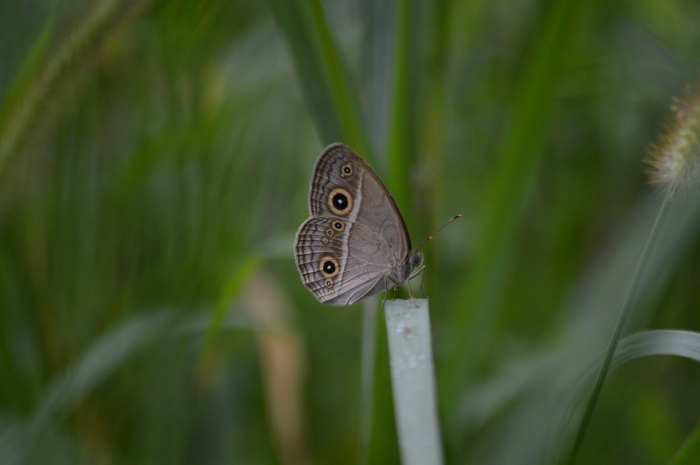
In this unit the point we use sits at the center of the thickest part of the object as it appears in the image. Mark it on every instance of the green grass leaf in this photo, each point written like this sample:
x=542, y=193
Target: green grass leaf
x=507, y=200
x=330, y=97
x=644, y=344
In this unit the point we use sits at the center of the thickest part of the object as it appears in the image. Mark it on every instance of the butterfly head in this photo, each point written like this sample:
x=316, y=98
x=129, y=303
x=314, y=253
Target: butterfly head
x=415, y=259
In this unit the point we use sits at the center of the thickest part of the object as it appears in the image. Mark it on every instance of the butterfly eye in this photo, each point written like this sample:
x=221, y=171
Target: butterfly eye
x=340, y=201
x=346, y=170
x=329, y=267
x=338, y=225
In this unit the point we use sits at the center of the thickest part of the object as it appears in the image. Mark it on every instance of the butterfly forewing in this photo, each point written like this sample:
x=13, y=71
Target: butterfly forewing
x=340, y=171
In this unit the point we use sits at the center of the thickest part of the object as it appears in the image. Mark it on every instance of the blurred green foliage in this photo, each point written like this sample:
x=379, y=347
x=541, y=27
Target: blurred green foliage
x=154, y=165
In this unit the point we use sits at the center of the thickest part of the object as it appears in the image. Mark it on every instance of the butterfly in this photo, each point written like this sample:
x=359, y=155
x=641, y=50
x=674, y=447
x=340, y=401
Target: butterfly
x=355, y=245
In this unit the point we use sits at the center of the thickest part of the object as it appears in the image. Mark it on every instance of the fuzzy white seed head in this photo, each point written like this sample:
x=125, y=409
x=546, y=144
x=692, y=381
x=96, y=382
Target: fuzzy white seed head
x=675, y=157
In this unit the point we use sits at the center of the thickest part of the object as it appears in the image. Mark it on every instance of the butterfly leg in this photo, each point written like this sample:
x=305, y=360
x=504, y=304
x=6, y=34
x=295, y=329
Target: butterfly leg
x=421, y=270
x=386, y=288
x=410, y=291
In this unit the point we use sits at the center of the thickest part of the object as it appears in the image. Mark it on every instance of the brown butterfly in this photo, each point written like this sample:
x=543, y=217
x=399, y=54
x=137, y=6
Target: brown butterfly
x=355, y=245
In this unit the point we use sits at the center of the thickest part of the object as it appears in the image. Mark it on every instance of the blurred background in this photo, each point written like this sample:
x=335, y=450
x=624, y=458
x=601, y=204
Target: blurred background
x=155, y=158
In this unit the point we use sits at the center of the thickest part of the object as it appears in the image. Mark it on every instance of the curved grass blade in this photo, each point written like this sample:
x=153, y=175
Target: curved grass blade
x=524, y=398
x=612, y=345
x=98, y=362
x=656, y=342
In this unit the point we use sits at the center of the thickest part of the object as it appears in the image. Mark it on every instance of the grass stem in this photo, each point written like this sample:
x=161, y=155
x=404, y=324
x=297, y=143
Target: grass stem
x=622, y=318
x=413, y=381
x=369, y=350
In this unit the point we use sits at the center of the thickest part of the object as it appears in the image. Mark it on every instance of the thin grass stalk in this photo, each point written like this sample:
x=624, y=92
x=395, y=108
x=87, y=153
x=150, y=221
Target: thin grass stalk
x=413, y=381
x=619, y=326
x=369, y=350
x=679, y=343
x=690, y=450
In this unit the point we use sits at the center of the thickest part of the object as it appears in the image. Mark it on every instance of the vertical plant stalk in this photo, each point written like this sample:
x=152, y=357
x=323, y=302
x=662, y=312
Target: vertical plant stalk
x=332, y=102
x=413, y=381
x=369, y=350
x=619, y=326
x=399, y=145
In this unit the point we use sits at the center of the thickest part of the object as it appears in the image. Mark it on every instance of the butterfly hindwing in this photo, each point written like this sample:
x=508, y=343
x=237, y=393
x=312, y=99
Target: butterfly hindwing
x=342, y=262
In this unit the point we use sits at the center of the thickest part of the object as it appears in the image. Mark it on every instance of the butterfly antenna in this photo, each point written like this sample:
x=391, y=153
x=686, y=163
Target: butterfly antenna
x=436, y=231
